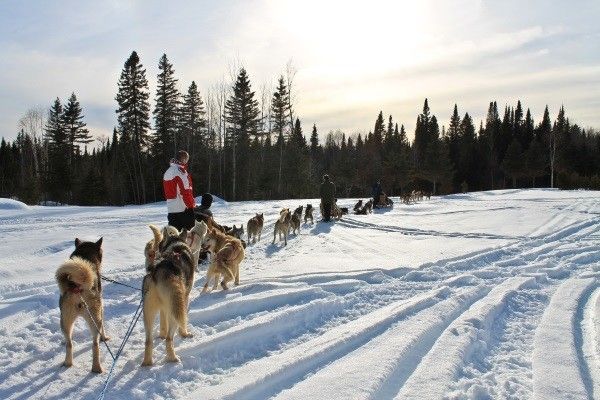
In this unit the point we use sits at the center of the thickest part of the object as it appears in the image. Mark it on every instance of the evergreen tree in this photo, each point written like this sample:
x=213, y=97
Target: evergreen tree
x=134, y=123
x=242, y=115
x=422, y=135
x=77, y=133
x=132, y=97
x=279, y=117
x=192, y=119
x=59, y=177
x=165, y=144
x=527, y=132
x=513, y=163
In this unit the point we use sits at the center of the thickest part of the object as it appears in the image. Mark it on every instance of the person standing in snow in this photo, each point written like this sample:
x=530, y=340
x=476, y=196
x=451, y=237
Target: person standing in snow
x=376, y=192
x=177, y=187
x=327, y=197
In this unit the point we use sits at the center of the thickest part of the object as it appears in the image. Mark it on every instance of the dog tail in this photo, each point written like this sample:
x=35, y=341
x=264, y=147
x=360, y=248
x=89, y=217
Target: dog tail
x=75, y=273
x=173, y=293
x=157, y=235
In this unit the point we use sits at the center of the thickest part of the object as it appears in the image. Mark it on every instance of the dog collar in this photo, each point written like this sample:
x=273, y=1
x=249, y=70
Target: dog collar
x=76, y=290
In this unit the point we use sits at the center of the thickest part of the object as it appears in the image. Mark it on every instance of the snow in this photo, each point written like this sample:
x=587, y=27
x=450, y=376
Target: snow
x=468, y=296
x=9, y=204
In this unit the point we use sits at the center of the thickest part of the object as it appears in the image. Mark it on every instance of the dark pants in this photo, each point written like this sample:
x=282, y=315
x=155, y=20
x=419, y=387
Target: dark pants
x=181, y=220
x=327, y=210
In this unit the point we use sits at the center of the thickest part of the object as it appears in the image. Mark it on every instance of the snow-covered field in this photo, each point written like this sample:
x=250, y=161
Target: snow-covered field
x=479, y=295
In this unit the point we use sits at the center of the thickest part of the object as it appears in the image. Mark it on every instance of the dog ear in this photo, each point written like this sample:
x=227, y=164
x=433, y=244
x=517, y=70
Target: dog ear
x=77, y=242
x=99, y=243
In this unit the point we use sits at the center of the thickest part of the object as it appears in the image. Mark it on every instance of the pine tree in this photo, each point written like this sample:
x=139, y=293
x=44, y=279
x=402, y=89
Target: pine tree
x=165, y=144
x=527, y=130
x=422, y=137
x=132, y=97
x=378, y=132
x=134, y=123
x=59, y=179
x=242, y=115
x=513, y=163
x=279, y=117
x=192, y=121
x=76, y=130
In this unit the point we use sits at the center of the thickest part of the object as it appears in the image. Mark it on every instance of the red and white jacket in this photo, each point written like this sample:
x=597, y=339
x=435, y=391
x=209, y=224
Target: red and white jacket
x=177, y=185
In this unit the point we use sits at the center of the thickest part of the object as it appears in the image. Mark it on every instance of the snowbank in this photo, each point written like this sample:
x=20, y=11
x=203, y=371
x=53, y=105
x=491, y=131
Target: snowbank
x=10, y=204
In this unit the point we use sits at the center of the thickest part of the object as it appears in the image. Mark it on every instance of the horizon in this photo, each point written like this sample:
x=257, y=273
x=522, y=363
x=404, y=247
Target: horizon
x=468, y=53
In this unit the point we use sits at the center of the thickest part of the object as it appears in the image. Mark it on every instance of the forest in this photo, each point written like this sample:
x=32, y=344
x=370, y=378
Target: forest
x=251, y=145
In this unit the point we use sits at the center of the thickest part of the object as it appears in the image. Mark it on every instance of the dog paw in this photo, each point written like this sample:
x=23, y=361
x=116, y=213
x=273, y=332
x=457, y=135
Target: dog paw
x=224, y=286
x=186, y=334
x=67, y=364
x=161, y=336
x=147, y=363
x=173, y=359
x=105, y=338
x=97, y=369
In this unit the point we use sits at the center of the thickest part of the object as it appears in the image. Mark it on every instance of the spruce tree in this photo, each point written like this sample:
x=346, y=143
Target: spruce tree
x=513, y=163
x=279, y=118
x=76, y=130
x=242, y=116
x=132, y=97
x=192, y=119
x=134, y=124
x=59, y=179
x=165, y=143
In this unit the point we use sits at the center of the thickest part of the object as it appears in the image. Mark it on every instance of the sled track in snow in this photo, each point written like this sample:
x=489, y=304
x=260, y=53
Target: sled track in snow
x=470, y=327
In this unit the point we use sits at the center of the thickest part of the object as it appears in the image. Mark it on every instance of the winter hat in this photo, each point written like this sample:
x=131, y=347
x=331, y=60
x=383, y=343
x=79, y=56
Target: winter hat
x=207, y=200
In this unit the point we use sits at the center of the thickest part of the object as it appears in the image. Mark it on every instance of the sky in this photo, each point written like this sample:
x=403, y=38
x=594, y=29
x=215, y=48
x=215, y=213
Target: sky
x=353, y=58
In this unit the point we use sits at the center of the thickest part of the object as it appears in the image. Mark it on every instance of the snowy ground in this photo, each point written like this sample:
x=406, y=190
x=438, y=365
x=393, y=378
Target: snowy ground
x=482, y=295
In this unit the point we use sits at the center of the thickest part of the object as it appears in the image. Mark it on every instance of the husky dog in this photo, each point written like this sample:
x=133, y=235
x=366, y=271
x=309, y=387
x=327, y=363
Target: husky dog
x=255, y=226
x=195, y=238
x=166, y=290
x=296, y=220
x=81, y=295
x=336, y=212
x=236, y=232
x=358, y=206
x=368, y=207
x=282, y=225
x=228, y=253
x=151, y=250
x=308, y=214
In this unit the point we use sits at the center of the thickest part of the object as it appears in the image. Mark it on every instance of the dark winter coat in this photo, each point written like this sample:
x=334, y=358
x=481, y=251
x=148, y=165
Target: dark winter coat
x=327, y=192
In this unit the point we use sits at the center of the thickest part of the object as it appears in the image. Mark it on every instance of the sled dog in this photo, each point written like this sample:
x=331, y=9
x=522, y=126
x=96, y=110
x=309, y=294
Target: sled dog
x=255, y=226
x=358, y=206
x=228, y=253
x=308, y=214
x=236, y=232
x=296, y=220
x=166, y=290
x=151, y=250
x=368, y=207
x=195, y=238
x=81, y=295
x=282, y=225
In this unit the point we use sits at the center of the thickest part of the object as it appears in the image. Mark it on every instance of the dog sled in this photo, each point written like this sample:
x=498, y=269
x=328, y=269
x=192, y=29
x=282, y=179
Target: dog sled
x=383, y=202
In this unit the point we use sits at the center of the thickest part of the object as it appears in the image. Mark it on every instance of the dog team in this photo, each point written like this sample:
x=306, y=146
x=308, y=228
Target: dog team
x=171, y=258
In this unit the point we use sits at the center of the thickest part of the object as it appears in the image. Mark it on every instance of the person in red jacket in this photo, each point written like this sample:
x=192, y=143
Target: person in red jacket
x=177, y=186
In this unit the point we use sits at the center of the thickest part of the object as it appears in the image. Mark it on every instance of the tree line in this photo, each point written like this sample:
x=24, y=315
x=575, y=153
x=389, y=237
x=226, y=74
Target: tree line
x=247, y=145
